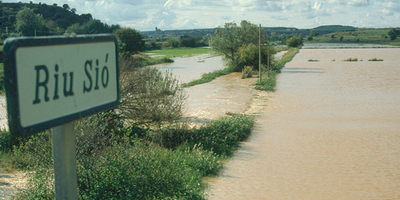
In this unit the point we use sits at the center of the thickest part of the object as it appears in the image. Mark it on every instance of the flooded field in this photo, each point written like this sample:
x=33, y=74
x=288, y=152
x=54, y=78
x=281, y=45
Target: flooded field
x=191, y=68
x=344, y=45
x=330, y=131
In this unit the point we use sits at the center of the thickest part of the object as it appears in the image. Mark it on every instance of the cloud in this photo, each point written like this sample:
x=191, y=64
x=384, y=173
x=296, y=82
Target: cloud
x=273, y=5
x=186, y=23
x=226, y=18
x=170, y=4
x=163, y=18
x=354, y=3
x=279, y=17
x=388, y=7
x=358, y=3
x=313, y=10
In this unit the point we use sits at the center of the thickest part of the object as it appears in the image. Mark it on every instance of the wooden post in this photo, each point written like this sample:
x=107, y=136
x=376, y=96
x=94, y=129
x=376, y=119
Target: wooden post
x=65, y=161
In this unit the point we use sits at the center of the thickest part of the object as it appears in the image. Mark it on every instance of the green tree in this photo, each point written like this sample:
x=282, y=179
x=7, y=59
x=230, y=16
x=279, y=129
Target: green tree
x=131, y=38
x=173, y=42
x=294, y=41
x=188, y=41
x=393, y=33
x=229, y=39
x=28, y=22
x=313, y=33
x=66, y=6
x=249, y=56
x=76, y=28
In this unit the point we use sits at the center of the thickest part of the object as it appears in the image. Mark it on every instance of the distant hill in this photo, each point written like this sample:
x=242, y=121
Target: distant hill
x=63, y=15
x=378, y=36
x=269, y=30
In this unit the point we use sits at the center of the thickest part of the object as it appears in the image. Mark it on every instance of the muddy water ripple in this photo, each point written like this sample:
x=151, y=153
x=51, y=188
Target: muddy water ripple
x=331, y=131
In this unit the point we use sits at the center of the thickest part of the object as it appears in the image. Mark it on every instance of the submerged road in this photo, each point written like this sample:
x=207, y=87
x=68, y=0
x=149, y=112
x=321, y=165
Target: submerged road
x=330, y=131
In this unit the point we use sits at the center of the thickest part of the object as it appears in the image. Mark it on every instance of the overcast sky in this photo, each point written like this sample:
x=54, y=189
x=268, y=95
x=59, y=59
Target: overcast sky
x=145, y=15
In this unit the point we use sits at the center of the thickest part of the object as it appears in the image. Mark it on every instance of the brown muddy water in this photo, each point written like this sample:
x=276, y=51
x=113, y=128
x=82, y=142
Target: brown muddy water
x=330, y=131
x=192, y=68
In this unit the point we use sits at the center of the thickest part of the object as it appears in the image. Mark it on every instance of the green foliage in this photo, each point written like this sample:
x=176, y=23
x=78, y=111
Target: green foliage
x=313, y=33
x=229, y=39
x=132, y=38
x=294, y=41
x=248, y=55
x=76, y=28
x=139, y=172
x=375, y=59
x=29, y=23
x=208, y=77
x=173, y=42
x=142, y=60
x=247, y=72
x=313, y=60
x=223, y=136
x=268, y=81
x=351, y=60
x=285, y=59
x=122, y=167
x=393, y=33
x=188, y=41
x=148, y=95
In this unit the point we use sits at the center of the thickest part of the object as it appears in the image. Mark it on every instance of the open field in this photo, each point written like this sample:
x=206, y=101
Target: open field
x=378, y=36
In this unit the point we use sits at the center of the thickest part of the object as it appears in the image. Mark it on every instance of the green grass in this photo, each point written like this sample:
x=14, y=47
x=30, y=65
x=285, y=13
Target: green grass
x=168, y=163
x=375, y=59
x=268, y=81
x=145, y=60
x=313, y=60
x=208, y=77
x=375, y=36
x=351, y=60
x=181, y=52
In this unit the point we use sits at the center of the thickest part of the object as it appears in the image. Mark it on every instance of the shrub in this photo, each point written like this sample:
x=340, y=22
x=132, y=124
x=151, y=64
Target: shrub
x=294, y=41
x=351, y=60
x=147, y=95
x=375, y=59
x=247, y=72
x=223, y=135
x=268, y=82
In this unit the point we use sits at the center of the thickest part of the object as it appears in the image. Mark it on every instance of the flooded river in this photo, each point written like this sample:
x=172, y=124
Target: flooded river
x=330, y=131
x=192, y=68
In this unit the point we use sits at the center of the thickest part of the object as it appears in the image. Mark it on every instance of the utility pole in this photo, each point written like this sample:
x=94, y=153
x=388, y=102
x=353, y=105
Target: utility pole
x=259, y=52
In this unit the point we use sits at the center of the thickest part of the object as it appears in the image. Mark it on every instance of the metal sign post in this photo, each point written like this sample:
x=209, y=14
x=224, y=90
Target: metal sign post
x=65, y=161
x=52, y=81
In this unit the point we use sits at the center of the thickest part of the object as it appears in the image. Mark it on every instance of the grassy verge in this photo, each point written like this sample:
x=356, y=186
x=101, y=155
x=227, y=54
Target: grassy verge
x=180, y=52
x=268, y=80
x=133, y=163
x=208, y=77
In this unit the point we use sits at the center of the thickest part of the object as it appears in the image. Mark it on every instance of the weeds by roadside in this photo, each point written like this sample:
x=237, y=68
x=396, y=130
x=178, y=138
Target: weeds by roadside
x=123, y=155
x=208, y=77
x=268, y=79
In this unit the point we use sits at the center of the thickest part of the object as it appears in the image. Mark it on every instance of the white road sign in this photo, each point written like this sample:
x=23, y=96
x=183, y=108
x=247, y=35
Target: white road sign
x=53, y=80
